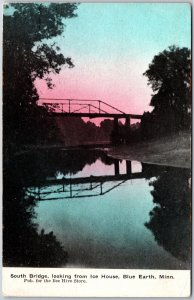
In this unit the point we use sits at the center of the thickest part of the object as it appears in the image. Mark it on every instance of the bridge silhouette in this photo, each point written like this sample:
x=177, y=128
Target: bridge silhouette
x=81, y=187
x=86, y=108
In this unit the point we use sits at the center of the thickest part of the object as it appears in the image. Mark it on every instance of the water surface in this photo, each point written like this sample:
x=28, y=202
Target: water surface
x=108, y=213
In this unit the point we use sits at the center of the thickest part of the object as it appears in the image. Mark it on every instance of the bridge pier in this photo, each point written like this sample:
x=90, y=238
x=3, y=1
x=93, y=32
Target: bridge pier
x=128, y=122
x=70, y=190
x=128, y=167
x=115, y=132
x=116, y=125
x=101, y=188
x=116, y=165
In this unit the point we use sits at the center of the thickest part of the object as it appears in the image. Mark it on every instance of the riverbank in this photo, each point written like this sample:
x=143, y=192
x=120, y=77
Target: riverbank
x=171, y=150
x=32, y=148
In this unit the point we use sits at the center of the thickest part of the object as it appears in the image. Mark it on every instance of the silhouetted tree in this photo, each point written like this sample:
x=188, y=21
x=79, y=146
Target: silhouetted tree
x=169, y=75
x=28, y=54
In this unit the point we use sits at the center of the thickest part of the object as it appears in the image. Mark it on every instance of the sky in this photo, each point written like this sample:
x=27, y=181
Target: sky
x=112, y=45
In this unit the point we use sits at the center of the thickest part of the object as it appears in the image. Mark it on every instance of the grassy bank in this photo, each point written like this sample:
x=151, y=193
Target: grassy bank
x=171, y=150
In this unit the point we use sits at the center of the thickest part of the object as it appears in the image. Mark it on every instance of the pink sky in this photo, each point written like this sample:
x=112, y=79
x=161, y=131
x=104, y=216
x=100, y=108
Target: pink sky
x=117, y=84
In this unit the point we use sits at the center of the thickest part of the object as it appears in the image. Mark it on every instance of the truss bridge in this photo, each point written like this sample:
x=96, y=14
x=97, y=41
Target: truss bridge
x=86, y=108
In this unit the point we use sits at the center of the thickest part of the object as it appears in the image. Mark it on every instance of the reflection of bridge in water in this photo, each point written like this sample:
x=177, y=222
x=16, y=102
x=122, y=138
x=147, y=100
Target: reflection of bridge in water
x=80, y=187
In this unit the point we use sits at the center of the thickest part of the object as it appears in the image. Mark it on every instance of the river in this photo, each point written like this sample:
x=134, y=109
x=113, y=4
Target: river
x=103, y=212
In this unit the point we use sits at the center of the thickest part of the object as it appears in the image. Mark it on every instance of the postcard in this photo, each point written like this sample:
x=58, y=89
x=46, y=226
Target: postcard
x=96, y=149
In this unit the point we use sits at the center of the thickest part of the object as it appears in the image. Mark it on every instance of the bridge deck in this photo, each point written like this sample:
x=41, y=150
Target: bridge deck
x=91, y=179
x=95, y=115
x=84, y=108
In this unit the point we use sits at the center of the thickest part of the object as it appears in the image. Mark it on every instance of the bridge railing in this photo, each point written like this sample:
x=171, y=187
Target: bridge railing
x=78, y=106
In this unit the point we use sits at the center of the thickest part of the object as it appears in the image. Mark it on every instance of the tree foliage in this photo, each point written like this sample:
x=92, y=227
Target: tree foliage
x=29, y=53
x=26, y=35
x=169, y=75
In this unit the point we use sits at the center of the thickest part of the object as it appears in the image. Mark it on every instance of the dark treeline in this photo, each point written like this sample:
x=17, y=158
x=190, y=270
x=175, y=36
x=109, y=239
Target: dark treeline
x=75, y=131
